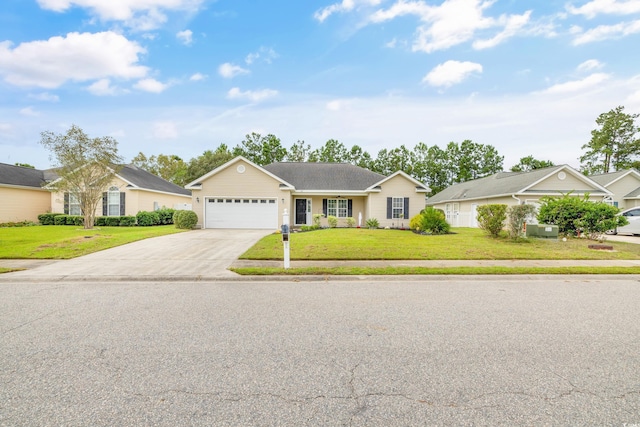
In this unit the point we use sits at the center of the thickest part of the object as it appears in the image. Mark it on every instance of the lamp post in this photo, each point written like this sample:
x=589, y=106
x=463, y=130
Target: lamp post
x=285, y=238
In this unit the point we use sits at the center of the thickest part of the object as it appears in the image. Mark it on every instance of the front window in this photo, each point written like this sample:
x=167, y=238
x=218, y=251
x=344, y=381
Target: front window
x=113, y=200
x=74, y=205
x=338, y=208
x=397, y=207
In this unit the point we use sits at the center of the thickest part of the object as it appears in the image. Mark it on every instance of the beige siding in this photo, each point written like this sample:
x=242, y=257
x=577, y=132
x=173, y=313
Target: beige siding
x=570, y=183
x=358, y=206
x=398, y=186
x=17, y=204
x=252, y=183
x=623, y=187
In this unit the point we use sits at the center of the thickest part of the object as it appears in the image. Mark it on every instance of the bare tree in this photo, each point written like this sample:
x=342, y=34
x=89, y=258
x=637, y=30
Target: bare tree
x=85, y=167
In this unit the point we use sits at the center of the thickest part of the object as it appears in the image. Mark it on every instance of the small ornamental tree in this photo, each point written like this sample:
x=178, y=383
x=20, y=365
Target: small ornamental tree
x=518, y=215
x=492, y=217
x=84, y=165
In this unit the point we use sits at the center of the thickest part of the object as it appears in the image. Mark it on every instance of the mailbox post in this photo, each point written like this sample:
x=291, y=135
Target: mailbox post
x=285, y=238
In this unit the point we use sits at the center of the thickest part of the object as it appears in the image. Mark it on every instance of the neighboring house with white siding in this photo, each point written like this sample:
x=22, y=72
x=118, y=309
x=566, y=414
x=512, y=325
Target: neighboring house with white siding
x=624, y=186
x=460, y=201
x=241, y=194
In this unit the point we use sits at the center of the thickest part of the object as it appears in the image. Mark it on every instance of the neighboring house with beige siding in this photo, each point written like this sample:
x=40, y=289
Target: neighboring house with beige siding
x=22, y=197
x=460, y=201
x=624, y=186
x=241, y=194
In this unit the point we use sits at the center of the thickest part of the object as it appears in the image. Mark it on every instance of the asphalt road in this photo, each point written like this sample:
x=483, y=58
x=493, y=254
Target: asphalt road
x=538, y=351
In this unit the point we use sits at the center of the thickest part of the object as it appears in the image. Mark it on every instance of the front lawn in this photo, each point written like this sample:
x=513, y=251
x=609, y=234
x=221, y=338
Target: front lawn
x=465, y=244
x=68, y=241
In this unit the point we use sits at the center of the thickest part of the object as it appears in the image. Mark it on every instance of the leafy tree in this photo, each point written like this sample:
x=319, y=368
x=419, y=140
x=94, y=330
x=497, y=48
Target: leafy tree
x=206, y=162
x=361, y=158
x=491, y=218
x=530, y=163
x=614, y=145
x=518, y=215
x=332, y=151
x=169, y=167
x=261, y=150
x=85, y=166
x=26, y=165
x=469, y=160
x=391, y=161
x=299, y=152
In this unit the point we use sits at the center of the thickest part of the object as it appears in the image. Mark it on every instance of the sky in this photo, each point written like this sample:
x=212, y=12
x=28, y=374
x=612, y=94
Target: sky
x=528, y=77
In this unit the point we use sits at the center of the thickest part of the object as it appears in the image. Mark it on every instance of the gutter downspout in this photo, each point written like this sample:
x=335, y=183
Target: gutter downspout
x=517, y=198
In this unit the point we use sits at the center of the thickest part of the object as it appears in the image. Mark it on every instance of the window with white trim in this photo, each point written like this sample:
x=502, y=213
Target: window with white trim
x=397, y=208
x=113, y=201
x=74, y=205
x=338, y=208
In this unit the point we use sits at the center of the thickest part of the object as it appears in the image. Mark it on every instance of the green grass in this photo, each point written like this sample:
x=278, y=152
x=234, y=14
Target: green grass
x=68, y=241
x=465, y=244
x=372, y=271
x=8, y=270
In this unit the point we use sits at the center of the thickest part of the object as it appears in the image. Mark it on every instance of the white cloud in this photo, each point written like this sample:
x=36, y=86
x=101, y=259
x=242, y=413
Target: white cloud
x=453, y=22
x=29, y=112
x=451, y=72
x=151, y=85
x=594, y=80
x=343, y=6
x=336, y=105
x=606, y=32
x=229, y=71
x=197, y=77
x=590, y=65
x=165, y=130
x=76, y=57
x=266, y=54
x=610, y=7
x=185, y=37
x=102, y=88
x=45, y=96
x=141, y=15
x=253, y=96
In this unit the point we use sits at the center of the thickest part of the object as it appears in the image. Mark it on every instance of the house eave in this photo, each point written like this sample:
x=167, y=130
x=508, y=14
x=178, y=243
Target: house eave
x=188, y=196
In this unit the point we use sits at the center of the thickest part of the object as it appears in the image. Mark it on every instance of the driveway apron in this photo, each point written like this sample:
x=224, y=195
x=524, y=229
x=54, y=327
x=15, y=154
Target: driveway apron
x=193, y=254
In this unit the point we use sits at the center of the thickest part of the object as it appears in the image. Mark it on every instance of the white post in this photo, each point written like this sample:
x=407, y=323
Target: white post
x=285, y=238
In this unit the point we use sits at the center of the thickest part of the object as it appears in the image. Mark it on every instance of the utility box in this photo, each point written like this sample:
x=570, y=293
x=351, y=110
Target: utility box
x=542, y=231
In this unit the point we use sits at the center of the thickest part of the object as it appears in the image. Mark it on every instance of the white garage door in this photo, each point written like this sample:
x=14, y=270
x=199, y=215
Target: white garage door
x=241, y=213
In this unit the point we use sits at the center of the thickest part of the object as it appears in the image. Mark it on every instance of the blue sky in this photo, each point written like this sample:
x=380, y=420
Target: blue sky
x=183, y=76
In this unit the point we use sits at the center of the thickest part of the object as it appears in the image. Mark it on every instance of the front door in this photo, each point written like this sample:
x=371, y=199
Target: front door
x=301, y=211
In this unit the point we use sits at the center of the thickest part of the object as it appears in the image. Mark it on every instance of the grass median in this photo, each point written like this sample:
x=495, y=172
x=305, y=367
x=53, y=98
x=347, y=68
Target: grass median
x=67, y=241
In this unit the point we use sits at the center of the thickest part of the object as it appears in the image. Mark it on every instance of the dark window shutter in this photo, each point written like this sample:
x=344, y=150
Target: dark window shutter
x=122, y=197
x=389, y=208
x=66, y=203
x=350, y=208
x=324, y=207
x=104, y=204
x=406, y=207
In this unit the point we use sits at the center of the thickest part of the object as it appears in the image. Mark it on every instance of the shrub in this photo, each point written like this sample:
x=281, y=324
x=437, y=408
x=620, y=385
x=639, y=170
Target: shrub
x=128, y=221
x=351, y=222
x=100, y=221
x=309, y=227
x=147, y=219
x=372, y=223
x=415, y=223
x=518, y=214
x=60, y=220
x=48, y=218
x=12, y=224
x=333, y=221
x=574, y=214
x=185, y=219
x=492, y=217
x=316, y=219
x=166, y=215
x=75, y=220
x=434, y=221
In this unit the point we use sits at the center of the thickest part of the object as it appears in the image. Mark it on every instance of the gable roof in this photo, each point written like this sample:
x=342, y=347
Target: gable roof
x=313, y=176
x=507, y=184
x=141, y=179
x=606, y=179
x=20, y=176
x=198, y=182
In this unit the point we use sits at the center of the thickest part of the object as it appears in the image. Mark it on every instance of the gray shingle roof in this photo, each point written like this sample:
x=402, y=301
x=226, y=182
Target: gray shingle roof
x=502, y=183
x=21, y=176
x=606, y=178
x=324, y=176
x=146, y=180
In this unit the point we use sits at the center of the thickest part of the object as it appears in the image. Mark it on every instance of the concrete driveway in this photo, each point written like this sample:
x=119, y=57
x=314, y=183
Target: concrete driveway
x=190, y=255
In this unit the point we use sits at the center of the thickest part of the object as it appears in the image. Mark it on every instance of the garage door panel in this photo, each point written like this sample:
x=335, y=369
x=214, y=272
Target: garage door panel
x=241, y=213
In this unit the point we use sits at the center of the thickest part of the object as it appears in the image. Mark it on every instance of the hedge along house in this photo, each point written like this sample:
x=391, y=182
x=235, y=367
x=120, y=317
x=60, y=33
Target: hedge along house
x=241, y=194
x=624, y=186
x=131, y=190
x=460, y=201
x=22, y=196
